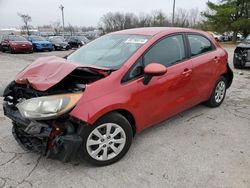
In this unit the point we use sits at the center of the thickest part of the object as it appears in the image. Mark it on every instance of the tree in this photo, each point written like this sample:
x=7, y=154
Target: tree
x=26, y=19
x=158, y=19
x=229, y=15
x=57, y=27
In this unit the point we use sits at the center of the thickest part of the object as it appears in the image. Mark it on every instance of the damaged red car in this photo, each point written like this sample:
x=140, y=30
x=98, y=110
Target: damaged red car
x=91, y=103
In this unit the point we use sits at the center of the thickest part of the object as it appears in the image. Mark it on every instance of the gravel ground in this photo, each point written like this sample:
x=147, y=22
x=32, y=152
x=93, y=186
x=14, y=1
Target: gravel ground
x=201, y=147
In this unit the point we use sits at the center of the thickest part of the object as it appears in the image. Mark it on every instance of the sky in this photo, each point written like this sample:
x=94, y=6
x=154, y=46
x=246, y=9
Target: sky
x=82, y=12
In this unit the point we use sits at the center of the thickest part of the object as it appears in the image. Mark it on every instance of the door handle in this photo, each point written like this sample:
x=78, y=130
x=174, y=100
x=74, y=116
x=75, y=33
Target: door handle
x=187, y=72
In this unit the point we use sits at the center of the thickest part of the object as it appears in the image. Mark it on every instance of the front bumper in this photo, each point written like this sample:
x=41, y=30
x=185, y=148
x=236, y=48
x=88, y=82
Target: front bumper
x=57, y=140
x=43, y=47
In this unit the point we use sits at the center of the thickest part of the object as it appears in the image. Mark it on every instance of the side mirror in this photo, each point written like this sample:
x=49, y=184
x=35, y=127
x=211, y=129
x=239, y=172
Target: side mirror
x=153, y=69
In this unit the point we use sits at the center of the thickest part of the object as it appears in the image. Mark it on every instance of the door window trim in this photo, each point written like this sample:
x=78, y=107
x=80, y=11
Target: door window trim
x=186, y=52
x=214, y=48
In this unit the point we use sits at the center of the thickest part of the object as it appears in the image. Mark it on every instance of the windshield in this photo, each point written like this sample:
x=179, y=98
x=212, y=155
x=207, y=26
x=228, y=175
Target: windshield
x=56, y=39
x=83, y=38
x=109, y=51
x=247, y=38
x=16, y=38
x=37, y=38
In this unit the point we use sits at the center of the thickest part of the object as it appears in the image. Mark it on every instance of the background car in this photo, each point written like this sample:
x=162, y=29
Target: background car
x=242, y=54
x=39, y=43
x=59, y=43
x=15, y=43
x=0, y=42
x=77, y=41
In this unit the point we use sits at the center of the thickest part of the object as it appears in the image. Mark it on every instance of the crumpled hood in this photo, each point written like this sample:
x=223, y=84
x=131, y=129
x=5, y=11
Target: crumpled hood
x=46, y=72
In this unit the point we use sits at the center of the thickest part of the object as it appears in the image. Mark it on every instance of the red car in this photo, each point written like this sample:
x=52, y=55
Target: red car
x=93, y=102
x=15, y=43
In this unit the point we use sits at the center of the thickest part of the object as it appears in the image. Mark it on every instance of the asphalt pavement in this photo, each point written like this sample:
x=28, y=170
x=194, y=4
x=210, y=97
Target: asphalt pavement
x=201, y=147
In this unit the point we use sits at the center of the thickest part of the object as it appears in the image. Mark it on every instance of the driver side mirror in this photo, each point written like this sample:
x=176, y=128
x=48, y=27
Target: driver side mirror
x=153, y=69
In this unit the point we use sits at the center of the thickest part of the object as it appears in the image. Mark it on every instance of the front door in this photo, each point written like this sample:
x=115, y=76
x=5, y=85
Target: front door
x=171, y=93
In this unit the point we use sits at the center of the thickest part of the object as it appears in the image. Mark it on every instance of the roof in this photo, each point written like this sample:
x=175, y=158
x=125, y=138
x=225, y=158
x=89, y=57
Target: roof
x=151, y=31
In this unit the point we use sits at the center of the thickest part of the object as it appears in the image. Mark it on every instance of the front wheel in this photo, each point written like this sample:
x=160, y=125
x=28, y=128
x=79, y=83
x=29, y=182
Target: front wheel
x=108, y=140
x=218, y=94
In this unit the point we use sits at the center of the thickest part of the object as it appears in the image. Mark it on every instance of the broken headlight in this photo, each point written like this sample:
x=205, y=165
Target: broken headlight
x=48, y=107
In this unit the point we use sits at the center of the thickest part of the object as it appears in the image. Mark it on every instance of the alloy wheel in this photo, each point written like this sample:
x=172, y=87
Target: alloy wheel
x=106, y=141
x=220, y=91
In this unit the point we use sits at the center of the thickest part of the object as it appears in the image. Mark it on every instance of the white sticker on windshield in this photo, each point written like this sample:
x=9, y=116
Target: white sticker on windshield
x=136, y=41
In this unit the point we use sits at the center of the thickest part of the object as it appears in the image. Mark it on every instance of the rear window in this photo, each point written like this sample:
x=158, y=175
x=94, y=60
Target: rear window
x=199, y=44
x=16, y=38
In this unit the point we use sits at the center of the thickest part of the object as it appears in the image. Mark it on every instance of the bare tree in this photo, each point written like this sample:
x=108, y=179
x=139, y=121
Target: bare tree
x=57, y=27
x=193, y=17
x=158, y=18
x=144, y=20
x=181, y=18
x=26, y=19
x=71, y=29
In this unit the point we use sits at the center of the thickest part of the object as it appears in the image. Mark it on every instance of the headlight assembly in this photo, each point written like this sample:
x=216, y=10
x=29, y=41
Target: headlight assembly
x=49, y=106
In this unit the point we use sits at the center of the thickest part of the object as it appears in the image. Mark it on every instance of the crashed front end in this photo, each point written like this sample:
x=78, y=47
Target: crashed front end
x=242, y=54
x=42, y=123
x=39, y=103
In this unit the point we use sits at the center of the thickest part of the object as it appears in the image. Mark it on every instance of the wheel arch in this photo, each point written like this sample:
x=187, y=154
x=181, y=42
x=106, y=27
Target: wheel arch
x=228, y=76
x=127, y=114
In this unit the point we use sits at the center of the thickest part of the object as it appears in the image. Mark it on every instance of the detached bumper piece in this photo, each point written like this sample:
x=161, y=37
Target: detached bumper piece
x=56, y=139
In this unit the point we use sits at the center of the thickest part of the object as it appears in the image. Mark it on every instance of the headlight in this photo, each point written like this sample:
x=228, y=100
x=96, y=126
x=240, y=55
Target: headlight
x=48, y=107
x=57, y=45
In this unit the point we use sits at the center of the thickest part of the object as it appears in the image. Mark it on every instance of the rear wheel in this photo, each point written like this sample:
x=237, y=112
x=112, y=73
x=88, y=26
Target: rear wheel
x=218, y=94
x=237, y=64
x=11, y=50
x=108, y=140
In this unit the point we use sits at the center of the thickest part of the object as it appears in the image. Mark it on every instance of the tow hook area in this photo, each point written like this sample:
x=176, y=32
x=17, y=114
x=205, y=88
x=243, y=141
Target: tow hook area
x=63, y=146
x=56, y=139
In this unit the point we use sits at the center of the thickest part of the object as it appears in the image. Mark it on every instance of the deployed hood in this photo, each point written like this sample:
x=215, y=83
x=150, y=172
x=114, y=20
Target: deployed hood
x=46, y=72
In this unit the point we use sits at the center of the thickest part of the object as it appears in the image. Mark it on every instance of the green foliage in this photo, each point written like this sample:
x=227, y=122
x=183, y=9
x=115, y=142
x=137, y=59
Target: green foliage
x=229, y=15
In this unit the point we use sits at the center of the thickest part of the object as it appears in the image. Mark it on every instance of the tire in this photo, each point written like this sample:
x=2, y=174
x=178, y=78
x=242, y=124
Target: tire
x=96, y=140
x=238, y=66
x=218, y=94
x=11, y=50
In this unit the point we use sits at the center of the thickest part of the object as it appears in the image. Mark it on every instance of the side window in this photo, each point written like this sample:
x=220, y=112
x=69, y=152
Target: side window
x=168, y=51
x=135, y=71
x=199, y=44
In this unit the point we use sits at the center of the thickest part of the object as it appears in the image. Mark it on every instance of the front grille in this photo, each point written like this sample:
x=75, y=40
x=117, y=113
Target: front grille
x=248, y=55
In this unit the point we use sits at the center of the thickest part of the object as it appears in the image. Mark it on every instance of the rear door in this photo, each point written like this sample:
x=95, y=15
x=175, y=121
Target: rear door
x=205, y=60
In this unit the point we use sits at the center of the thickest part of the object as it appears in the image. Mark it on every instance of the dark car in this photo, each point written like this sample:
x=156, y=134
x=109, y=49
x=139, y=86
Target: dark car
x=15, y=43
x=0, y=42
x=242, y=54
x=93, y=103
x=77, y=41
x=40, y=43
x=59, y=43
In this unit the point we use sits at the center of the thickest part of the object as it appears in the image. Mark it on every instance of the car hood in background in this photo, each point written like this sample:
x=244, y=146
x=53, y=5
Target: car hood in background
x=46, y=72
x=244, y=45
x=41, y=42
x=61, y=43
x=21, y=42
